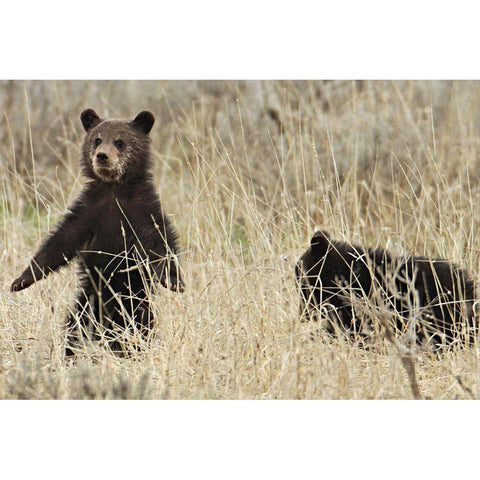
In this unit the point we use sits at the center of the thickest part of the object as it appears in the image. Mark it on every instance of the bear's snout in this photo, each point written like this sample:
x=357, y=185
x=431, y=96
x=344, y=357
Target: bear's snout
x=102, y=158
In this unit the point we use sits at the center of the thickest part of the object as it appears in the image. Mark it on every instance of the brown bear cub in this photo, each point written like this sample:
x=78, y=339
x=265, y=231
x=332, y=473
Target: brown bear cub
x=350, y=284
x=119, y=234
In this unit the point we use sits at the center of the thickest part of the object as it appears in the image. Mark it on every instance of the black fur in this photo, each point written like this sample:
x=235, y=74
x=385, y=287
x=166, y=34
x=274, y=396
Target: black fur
x=144, y=122
x=89, y=119
x=342, y=278
x=117, y=231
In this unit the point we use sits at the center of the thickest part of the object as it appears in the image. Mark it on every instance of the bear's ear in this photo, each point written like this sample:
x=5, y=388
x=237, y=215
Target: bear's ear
x=320, y=239
x=89, y=119
x=144, y=122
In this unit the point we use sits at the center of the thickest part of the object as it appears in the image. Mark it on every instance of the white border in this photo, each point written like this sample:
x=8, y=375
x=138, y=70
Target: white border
x=251, y=39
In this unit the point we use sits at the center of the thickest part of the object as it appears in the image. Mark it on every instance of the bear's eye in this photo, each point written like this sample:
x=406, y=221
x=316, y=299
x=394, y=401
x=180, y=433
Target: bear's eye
x=119, y=144
x=97, y=142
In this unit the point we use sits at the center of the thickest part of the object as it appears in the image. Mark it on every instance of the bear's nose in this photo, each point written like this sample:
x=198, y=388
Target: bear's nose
x=102, y=157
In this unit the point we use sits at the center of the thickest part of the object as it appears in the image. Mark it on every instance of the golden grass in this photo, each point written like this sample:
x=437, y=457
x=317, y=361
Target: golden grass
x=247, y=170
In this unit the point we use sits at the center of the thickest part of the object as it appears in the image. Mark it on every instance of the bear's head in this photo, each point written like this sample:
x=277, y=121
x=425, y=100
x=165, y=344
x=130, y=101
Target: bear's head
x=116, y=150
x=309, y=261
x=307, y=273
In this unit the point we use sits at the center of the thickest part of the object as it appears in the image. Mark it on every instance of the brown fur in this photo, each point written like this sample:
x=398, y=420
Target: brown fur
x=117, y=231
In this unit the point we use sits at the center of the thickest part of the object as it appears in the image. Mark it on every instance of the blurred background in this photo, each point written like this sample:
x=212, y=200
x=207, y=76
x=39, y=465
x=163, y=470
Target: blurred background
x=364, y=121
x=277, y=141
x=246, y=170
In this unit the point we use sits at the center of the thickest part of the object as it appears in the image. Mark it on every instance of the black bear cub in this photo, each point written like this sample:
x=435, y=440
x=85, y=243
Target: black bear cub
x=119, y=234
x=350, y=283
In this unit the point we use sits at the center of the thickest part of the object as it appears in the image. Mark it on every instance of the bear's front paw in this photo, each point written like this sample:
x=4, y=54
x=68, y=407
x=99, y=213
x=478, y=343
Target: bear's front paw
x=19, y=284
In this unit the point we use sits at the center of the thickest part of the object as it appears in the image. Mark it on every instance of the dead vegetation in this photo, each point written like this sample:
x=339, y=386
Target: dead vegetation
x=248, y=170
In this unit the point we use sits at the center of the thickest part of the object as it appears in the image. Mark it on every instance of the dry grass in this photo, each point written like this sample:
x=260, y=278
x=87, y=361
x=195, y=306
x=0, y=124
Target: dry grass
x=247, y=170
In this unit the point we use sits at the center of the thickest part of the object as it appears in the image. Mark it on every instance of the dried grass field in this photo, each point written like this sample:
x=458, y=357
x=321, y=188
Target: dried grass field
x=246, y=170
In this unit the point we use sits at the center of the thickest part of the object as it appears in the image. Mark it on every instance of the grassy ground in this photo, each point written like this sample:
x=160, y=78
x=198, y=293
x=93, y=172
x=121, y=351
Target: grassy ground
x=246, y=170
